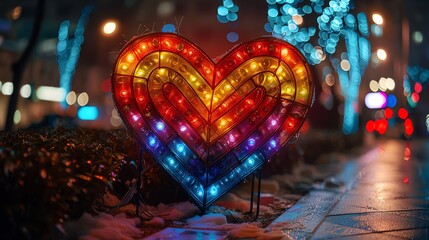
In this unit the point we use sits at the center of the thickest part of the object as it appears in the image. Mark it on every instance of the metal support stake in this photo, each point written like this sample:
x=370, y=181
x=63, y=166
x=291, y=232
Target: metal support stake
x=252, y=192
x=259, y=194
x=139, y=183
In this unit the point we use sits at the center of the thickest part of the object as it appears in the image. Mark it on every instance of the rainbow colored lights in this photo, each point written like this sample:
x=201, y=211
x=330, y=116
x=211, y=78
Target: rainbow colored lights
x=209, y=124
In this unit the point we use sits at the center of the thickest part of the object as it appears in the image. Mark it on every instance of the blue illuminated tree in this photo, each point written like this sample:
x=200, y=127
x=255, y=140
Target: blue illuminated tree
x=335, y=23
x=358, y=55
x=318, y=42
x=68, y=50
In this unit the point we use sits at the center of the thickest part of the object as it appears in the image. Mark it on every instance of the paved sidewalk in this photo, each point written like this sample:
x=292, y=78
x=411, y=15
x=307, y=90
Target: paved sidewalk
x=386, y=197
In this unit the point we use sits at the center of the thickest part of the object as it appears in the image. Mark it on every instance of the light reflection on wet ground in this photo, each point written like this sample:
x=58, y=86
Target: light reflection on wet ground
x=390, y=201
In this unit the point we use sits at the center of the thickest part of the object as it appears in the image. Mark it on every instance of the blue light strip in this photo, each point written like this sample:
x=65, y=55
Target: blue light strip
x=88, y=113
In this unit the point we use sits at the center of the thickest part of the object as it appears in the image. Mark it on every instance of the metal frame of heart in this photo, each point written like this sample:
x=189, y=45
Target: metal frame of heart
x=211, y=124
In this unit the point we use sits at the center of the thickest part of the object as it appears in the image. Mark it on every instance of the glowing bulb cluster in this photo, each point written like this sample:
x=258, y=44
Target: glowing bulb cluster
x=211, y=125
x=285, y=19
x=227, y=12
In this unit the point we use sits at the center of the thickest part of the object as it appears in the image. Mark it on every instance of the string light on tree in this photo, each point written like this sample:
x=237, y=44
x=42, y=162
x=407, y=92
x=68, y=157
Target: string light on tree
x=334, y=24
x=68, y=50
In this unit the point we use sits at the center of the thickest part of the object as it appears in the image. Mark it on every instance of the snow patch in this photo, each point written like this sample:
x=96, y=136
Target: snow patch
x=211, y=219
x=177, y=211
x=232, y=201
x=103, y=226
x=216, y=221
x=156, y=222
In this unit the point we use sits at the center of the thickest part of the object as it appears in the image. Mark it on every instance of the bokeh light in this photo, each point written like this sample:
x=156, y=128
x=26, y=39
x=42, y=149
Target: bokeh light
x=88, y=113
x=402, y=113
x=373, y=85
x=232, y=37
x=16, y=12
x=17, y=116
x=418, y=87
x=115, y=119
x=408, y=125
x=381, y=54
x=415, y=97
x=83, y=99
x=165, y=8
x=7, y=88
x=227, y=12
x=52, y=94
x=345, y=65
x=330, y=79
x=376, y=30
x=377, y=18
x=417, y=37
x=25, y=91
x=427, y=122
x=391, y=101
x=370, y=126
x=382, y=84
x=297, y=19
x=388, y=113
x=109, y=27
x=375, y=100
x=71, y=98
x=390, y=84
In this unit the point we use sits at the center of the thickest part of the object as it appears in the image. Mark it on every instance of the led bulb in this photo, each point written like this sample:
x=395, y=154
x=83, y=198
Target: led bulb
x=130, y=57
x=139, y=72
x=253, y=66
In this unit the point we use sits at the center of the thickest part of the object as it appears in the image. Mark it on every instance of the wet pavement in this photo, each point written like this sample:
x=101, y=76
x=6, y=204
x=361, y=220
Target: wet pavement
x=386, y=196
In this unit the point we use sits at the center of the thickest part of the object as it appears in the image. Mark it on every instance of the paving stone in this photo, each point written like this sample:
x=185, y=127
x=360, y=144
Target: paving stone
x=385, y=197
x=307, y=213
x=367, y=236
x=352, y=224
x=421, y=233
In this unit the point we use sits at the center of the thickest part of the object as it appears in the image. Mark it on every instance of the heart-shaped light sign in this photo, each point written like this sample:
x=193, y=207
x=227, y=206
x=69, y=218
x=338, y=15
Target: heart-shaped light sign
x=210, y=124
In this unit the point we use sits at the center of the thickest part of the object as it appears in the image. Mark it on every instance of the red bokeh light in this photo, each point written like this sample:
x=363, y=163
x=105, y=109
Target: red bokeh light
x=403, y=113
x=407, y=154
x=382, y=127
x=409, y=129
x=406, y=180
x=370, y=126
x=388, y=113
x=418, y=87
x=415, y=97
x=408, y=123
